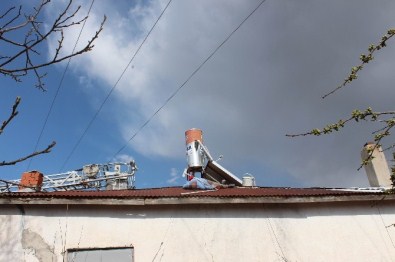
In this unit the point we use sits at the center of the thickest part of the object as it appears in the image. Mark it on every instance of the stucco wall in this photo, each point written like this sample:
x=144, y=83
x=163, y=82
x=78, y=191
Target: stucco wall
x=262, y=232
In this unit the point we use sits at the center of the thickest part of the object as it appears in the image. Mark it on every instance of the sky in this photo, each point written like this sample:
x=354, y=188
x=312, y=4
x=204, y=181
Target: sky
x=264, y=82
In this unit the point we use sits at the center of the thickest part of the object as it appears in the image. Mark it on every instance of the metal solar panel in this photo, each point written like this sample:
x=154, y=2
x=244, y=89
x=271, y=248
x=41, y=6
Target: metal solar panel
x=217, y=173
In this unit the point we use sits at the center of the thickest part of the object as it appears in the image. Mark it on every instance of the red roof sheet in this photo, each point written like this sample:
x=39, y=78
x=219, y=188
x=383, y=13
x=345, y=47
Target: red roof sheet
x=178, y=192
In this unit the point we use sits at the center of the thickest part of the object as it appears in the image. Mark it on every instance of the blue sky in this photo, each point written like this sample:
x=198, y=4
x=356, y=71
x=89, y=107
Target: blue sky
x=263, y=83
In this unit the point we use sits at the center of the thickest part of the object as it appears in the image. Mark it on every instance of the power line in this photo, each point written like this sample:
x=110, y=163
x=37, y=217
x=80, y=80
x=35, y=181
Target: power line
x=113, y=88
x=188, y=78
x=59, y=86
x=386, y=227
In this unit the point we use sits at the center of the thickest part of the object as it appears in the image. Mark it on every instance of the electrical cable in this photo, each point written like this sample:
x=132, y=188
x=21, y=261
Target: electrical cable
x=112, y=89
x=59, y=86
x=187, y=80
x=386, y=227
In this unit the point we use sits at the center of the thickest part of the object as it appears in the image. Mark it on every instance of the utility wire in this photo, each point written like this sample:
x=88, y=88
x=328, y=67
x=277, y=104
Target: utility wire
x=187, y=80
x=112, y=89
x=59, y=86
x=386, y=227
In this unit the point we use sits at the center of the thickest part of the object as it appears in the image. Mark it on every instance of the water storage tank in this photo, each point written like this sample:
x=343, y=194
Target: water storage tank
x=195, y=155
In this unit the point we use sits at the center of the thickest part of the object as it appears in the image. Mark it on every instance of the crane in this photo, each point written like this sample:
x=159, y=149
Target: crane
x=107, y=176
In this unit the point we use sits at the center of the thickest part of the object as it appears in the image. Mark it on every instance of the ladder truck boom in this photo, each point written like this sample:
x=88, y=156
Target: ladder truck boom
x=108, y=176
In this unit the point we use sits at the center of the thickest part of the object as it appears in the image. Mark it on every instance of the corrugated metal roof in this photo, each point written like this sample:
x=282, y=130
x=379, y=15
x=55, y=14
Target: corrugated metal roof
x=178, y=192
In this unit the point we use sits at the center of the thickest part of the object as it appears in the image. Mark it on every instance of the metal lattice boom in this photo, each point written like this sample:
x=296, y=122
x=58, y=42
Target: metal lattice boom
x=90, y=177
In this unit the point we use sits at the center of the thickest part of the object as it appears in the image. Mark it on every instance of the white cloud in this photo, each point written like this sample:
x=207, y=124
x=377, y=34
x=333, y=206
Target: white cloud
x=173, y=176
x=123, y=158
x=266, y=81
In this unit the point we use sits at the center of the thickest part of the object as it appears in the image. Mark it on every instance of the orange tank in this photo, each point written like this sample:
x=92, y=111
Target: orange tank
x=193, y=134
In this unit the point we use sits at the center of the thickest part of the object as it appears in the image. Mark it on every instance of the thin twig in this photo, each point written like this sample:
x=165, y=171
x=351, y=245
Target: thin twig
x=13, y=114
x=364, y=60
x=26, y=50
x=45, y=151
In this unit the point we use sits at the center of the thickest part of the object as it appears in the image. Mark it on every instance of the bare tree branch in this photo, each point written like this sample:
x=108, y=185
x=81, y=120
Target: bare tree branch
x=55, y=59
x=13, y=114
x=5, y=123
x=10, y=21
x=22, y=36
x=6, y=12
x=45, y=151
x=26, y=57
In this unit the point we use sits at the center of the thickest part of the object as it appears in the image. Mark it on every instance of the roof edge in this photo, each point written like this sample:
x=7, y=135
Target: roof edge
x=192, y=200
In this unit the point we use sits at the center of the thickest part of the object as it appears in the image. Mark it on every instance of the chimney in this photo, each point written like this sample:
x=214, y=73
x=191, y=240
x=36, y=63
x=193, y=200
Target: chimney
x=31, y=181
x=377, y=168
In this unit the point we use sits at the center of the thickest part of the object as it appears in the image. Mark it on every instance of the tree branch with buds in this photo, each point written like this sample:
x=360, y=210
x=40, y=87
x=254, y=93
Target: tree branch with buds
x=386, y=119
x=365, y=59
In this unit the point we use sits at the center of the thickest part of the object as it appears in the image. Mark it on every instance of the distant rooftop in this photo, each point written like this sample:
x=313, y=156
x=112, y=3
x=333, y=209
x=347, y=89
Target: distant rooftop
x=178, y=195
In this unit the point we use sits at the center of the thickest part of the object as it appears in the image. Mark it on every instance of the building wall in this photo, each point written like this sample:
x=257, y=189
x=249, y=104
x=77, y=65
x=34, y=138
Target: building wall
x=260, y=232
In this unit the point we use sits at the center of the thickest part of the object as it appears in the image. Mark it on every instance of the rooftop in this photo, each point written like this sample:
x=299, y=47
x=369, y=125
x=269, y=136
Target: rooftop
x=178, y=195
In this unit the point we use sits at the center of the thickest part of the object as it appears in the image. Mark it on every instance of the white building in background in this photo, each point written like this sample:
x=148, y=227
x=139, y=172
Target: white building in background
x=174, y=224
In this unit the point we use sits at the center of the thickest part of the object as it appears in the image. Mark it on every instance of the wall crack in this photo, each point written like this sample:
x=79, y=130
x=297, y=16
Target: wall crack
x=41, y=250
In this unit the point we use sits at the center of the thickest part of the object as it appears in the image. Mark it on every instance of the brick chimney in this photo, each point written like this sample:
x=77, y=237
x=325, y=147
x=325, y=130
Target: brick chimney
x=31, y=181
x=377, y=168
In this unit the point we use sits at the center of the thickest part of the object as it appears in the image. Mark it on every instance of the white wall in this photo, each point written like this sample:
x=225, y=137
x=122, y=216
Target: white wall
x=266, y=232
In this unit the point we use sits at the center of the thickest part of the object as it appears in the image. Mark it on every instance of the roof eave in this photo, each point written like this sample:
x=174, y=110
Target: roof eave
x=192, y=200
